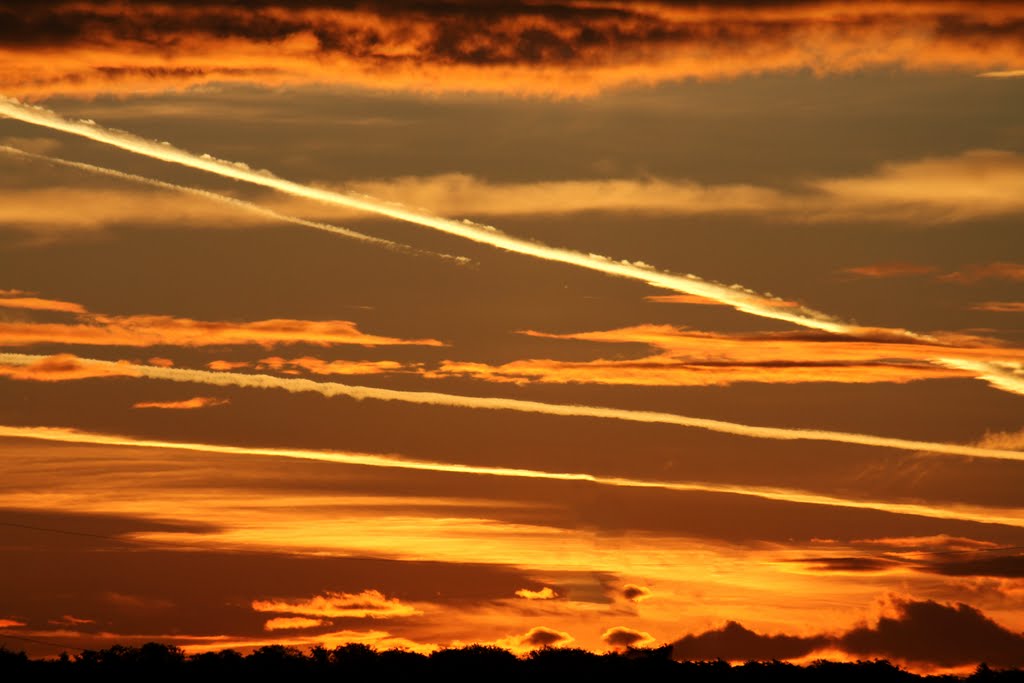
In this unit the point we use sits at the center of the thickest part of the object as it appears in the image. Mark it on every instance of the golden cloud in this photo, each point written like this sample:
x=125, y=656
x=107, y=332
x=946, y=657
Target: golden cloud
x=188, y=404
x=370, y=604
x=544, y=593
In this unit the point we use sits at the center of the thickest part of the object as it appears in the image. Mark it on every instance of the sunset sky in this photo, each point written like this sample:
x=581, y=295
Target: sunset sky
x=570, y=323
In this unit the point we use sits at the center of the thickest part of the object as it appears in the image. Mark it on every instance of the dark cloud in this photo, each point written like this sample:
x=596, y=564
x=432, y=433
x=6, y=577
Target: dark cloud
x=622, y=637
x=635, y=593
x=928, y=632
x=848, y=564
x=541, y=636
x=733, y=642
x=923, y=633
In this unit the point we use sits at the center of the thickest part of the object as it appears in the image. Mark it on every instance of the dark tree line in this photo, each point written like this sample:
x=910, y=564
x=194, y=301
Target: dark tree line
x=354, y=662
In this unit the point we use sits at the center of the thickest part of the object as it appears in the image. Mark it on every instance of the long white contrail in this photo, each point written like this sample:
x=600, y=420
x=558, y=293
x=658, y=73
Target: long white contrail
x=329, y=389
x=230, y=201
x=962, y=513
x=736, y=296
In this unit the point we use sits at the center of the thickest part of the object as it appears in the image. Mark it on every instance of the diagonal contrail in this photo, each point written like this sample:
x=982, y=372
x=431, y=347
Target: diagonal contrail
x=741, y=299
x=330, y=389
x=230, y=201
x=960, y=513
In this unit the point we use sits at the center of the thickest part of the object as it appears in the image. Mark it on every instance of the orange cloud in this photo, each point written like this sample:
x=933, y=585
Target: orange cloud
x=622, y=637
x=1013, y=272
x=188, y=404
x=887, y=270
x=221, y=365
x=369, y=604
x=544, y=593
x=10, y=623
x=63, y=367
x=154, y=330
x=534, y=639
x=1000, y=306
x=562, y=48
x=693, y=358
x=34, y=304
x=290, y=623
x=317, y=366
x=161, y=362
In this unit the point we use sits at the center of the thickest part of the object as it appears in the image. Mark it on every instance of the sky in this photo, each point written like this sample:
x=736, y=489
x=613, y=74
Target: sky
x=570, y=324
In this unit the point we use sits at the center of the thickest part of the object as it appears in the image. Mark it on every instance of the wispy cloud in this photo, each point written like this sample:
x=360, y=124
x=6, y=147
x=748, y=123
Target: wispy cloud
x=1014, y=518
x=561, y=48
x=1000, y=270
x=369, y=604
x=1000, y=306
x=155, y=330
x=64, y=367
x=35, y=304
x=291, y=623
x=696, y=358
x=890, y=270
x=187, y=404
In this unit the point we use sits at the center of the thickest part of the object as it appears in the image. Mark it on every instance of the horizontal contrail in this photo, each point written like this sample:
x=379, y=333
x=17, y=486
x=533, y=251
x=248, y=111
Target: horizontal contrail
x=960, y=513
x=231, y=201
x=735, y=296
x=329, y=389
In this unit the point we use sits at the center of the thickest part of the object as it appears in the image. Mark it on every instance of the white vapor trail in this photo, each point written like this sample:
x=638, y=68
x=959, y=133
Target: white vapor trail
x=738, y=297
x=330, y=389
x=961, y=513
x=231, y=201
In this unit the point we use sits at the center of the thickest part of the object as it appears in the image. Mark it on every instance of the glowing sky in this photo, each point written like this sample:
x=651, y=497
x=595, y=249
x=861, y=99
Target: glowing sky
x=586, y=324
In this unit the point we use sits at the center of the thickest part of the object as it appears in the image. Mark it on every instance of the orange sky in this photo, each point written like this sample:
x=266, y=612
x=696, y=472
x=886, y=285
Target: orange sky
x=584, y=324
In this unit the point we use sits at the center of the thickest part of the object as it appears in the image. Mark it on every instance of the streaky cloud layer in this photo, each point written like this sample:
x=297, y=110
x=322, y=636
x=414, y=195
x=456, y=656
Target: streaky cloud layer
x=1014, y=518
x=329, y=389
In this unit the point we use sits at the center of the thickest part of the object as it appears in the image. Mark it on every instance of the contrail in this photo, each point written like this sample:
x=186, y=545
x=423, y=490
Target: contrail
x=735, y=296
x=740, y=298
x=230, y=201
x=330, y=389
x=959, y=513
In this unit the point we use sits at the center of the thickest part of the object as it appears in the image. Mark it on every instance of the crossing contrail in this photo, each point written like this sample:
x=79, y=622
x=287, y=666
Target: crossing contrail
x=960, y=513
x=330, y=389
x=230, y=201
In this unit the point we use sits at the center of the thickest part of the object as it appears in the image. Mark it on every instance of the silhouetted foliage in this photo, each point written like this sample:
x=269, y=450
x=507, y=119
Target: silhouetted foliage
x=487, y=663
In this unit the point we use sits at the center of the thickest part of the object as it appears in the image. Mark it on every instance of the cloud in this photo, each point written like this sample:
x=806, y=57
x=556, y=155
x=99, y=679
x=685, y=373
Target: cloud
x=1001, y=270
x=162, y=330
x=927, y=632
x=10, y=623
x=35, y=304
x=290, y=623
x=961, y=512
x=889, y=270
x=734, y=643
x=1000, y=306
x=979, y=182
x=635, y=593
x=534, y=639
x=188, y=404
x=560, y=48
x=370, y=604
x=544, y=593
x=694, y=358
x=64, y=367
x=318, y=366
x=332, y=389
x=69, y=620
x=622, y=637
